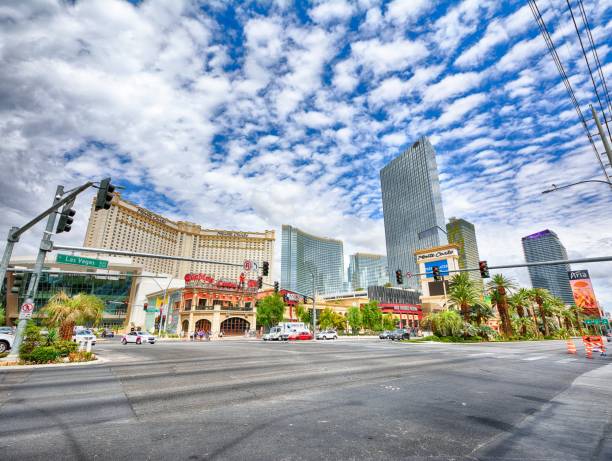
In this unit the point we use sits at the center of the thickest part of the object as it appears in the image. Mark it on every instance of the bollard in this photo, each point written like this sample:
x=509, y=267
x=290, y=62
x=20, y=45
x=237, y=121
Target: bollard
x=88, y=346
x=588, y=347
x=571, y=347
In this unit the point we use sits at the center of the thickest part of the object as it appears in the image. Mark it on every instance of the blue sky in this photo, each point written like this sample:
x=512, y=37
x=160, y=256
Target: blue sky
x=248, y=115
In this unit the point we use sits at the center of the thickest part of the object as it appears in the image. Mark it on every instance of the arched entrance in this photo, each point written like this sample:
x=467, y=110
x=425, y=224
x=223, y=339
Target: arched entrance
x=234, y=326
x=204, y=325
x=185, y=327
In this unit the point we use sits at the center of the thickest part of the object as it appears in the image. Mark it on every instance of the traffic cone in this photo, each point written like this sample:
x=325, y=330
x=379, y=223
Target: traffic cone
x=571, y=347
x=588, y=347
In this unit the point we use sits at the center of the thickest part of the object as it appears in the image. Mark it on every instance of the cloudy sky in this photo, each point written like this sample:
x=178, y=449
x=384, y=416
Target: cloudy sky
x=254, y=114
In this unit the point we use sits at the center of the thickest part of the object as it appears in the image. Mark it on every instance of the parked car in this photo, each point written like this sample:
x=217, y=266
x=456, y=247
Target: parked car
x=138, y=337
x=84, y=335
x=7, y=330
x=108, y=333
x=300, y=336
x=327, y=334
x=399, y=334
x=6, y=342
x=384, y=335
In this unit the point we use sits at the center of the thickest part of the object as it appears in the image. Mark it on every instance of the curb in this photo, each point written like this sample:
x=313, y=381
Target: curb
x=97, y=361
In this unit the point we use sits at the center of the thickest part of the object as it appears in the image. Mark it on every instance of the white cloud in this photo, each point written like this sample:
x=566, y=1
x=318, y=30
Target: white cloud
x=332, y=10
x=460, y=107
x=452, y=85
x=382, y=57
x=402, y=11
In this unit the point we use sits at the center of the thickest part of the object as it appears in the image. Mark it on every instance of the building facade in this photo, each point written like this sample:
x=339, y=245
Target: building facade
x=412, y=208
x=367, y=269
x=546, y=246
x=127, y=226
x=463, y=234
x=305, y=257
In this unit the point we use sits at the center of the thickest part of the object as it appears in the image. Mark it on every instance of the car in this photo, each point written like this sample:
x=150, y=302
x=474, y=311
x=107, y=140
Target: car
x=6, y=342
x=83, y=336
x=7, y=330
x=384, y=335
x=137, y=337
x=399, y=334
x=108, y=333
x=300, y=336
x=327, y=334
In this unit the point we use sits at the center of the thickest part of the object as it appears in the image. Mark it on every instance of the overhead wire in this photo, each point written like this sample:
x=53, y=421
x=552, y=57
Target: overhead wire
x=570, y=91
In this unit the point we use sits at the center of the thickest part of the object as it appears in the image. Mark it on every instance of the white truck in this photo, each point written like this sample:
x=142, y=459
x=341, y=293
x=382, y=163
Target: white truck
x=284, y=329
x=6, y=342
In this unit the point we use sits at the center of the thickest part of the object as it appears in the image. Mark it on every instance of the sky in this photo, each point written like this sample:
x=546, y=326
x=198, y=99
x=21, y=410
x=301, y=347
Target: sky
x=249, y=115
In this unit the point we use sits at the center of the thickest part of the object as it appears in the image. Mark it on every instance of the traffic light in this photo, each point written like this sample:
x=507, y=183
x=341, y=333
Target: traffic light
x=259, y=282
x=17, y=282
x=266, y=268
x=145, y=305
x=275, y=287
x=399, y=277
x=435, y=270
x=66, y=218
x=105, y=195
x=484, y=269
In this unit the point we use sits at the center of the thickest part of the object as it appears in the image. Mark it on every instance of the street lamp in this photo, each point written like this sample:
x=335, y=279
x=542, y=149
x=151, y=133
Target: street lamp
x=313, y=271
x=556, y=188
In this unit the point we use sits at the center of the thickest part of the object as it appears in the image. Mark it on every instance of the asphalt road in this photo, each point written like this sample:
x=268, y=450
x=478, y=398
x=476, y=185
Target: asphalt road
x=312, y=400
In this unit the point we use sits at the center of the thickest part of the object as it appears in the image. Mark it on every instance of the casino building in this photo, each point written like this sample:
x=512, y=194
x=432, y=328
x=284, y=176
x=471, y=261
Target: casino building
x=127, y=226
x=210, y=304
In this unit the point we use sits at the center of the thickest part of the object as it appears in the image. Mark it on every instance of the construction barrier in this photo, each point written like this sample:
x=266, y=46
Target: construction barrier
x=593, y=344
x=571, y=347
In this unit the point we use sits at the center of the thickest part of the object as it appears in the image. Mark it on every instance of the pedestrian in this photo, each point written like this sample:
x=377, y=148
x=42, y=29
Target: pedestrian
x=201, y=334
x=221, y=334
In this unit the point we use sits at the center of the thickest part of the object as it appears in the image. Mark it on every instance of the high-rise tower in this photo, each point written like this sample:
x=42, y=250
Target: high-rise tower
x=412, y=208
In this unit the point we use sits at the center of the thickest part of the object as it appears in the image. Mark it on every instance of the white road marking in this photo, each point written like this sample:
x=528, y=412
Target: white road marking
x=537, y=357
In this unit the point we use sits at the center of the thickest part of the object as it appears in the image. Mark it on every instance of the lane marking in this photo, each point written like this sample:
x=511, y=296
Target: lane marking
x=537, y=357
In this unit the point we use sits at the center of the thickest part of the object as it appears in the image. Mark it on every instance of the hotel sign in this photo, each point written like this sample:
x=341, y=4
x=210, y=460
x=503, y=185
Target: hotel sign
x=232, y=234
x=152, y=216
x=438, y=254
x=208, y=281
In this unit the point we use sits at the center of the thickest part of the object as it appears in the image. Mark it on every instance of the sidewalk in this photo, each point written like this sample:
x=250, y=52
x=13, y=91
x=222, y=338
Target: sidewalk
x=575, y=425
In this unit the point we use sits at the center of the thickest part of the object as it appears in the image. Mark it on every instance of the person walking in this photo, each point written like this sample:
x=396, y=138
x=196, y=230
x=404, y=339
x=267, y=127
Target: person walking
x=201, y=334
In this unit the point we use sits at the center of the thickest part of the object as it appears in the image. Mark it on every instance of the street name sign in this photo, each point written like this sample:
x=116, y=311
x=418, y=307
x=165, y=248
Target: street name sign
x=596, y=321
x=81, y=261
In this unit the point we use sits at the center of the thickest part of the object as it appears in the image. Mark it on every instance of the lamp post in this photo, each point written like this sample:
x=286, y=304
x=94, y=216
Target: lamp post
x=313, y=271
x=565, y=186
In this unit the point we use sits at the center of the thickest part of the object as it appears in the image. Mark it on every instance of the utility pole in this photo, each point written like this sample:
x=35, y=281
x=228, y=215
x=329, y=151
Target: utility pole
x=11, y=239
x=602, y=135
x=314, y=306
x=46, y=245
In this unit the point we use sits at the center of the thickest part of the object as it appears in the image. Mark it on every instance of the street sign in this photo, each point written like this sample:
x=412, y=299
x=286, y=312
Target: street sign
x=81, y=261
x=26, y=311
x=248, y=265
x=409, y=274
x=596, y=321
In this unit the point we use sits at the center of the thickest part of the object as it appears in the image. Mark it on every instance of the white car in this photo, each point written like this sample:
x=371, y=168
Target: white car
x=6, y=342
x=138, y=337
x=327, y=334
x=82, y=336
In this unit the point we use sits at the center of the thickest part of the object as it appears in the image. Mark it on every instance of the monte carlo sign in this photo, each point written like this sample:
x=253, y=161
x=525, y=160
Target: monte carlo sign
x=438, y=254
x=208, y=281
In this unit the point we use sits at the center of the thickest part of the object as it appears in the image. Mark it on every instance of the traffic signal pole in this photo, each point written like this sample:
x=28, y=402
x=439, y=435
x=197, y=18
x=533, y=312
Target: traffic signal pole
x=46, y=245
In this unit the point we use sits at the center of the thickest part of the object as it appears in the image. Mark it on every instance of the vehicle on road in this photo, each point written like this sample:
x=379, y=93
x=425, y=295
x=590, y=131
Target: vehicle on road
x=282, y=331
x=108, y=333
x=399, y=334
x=300, y=336
x=384, y=335
x=327, y=334
x=84, y=336
x=7, y=330
x=137, y=337
x=274, y=334
x=6, y=342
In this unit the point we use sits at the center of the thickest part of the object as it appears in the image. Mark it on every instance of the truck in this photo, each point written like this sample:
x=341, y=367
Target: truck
x=283, y=329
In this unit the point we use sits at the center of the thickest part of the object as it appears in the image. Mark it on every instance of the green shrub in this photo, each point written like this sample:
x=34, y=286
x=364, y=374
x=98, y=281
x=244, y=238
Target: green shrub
x=82, y=356
x=31, y=340
x=44, y=354
x=65, y=347
x=487, y=332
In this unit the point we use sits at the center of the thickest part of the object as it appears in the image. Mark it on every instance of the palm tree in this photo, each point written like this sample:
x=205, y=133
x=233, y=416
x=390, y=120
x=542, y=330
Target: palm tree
x=520, y=301
x=67, y=311
x=500, y=287
x=481, y=312
x=577, y=312
x=540, y=296
x=462, y=294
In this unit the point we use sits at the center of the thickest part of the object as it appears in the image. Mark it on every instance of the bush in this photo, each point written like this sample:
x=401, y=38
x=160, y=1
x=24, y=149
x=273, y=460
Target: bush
x=44, y=354
x=65, y=347
x=82, y=356
x=445, y=323
x=487, y=332
x=31, y=340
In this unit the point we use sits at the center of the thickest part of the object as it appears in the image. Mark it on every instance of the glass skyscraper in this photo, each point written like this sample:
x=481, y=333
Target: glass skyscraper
x=463, y=234
x=303, y=255
x=546, y=246
x=367, y=270
x=412, y=208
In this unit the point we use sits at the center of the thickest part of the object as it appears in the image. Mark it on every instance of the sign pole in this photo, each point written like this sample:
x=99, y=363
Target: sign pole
x=46, y=245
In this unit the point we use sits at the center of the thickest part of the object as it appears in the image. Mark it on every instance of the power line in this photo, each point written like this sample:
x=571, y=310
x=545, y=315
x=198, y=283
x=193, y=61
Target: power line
x=570, y=91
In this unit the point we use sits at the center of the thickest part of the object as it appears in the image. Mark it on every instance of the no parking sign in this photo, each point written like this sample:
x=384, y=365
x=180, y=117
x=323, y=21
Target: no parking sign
x=26, y=311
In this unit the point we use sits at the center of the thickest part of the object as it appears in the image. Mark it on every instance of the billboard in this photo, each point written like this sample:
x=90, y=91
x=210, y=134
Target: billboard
x=582, y=289
x=442, y=265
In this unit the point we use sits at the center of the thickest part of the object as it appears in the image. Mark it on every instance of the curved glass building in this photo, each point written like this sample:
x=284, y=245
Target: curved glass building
x=304, y=256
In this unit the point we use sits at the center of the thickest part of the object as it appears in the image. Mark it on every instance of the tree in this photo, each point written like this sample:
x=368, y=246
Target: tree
x=541, y=296
x=339, y=321
x=326, y=319
x=67, y=311
x=500, y=288
x=270, y=310
x=354, y=318
x=304, y=314
x=462, y=293
x=520, y=300
x=371, y=316
x=481, y=311
x=445, y=323
x=388, y=322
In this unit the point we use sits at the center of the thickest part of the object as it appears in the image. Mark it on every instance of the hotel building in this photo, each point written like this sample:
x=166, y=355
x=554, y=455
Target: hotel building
x=366, y=270
x=127, y=226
